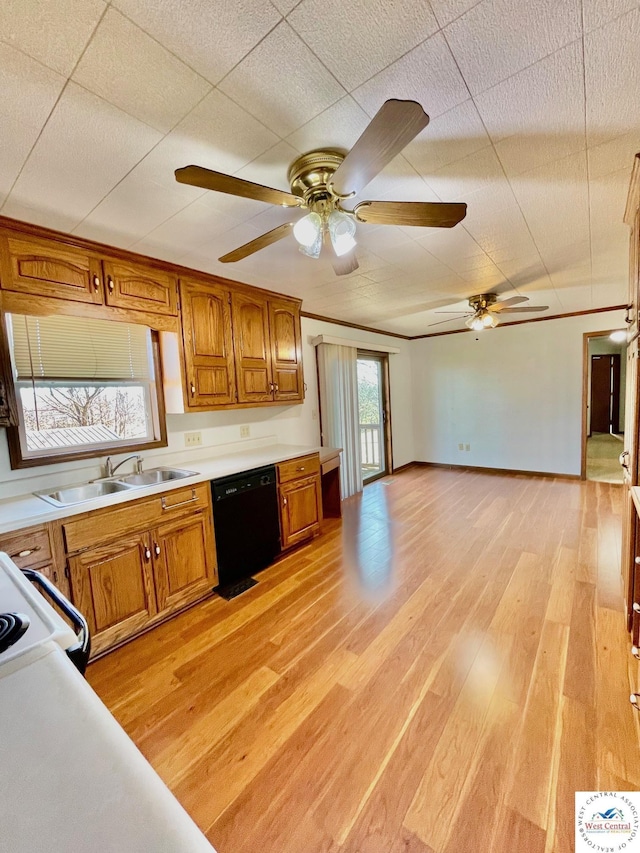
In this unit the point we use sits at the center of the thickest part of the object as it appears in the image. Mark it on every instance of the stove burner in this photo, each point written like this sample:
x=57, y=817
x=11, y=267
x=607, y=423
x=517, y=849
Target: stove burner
x=12, y=627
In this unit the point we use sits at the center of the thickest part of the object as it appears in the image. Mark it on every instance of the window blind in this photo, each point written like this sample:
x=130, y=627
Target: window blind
x=72, y=348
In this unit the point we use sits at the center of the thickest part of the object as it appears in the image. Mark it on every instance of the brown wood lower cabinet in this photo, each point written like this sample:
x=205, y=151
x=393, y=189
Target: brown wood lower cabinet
x=155, y=556
x=300, y=496
x=113, y=588
x=182, y=561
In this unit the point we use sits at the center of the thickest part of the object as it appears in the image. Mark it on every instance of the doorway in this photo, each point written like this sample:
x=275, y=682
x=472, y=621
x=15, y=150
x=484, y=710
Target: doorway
x=373, y=411
x=603, y=407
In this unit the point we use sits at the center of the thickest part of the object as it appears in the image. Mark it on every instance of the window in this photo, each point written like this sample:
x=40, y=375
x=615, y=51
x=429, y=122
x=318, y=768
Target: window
x=83, y=387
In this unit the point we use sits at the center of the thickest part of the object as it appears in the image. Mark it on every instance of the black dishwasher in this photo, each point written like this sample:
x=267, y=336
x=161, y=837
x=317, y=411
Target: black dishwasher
x=246, y=524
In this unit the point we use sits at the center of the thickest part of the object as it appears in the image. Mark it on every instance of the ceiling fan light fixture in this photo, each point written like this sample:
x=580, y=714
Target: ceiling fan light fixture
x=342, y=230
x=308, y=231
x=481, y=320
x=313, y=251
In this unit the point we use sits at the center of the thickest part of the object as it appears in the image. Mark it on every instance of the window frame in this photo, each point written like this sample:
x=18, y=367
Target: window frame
x=17, y=457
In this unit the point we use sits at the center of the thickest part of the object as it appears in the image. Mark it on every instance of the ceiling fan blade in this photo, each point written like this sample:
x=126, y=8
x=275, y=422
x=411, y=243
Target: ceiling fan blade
x=459, y=313
x=432, y=214
x=450, y=320
x=526, y=310
x=344, y=264
x=513, y=300
x=392, y=128
x=198, y=176
x=260, y=242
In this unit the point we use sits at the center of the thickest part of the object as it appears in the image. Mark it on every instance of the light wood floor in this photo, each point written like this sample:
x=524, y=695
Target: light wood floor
x=438, y=675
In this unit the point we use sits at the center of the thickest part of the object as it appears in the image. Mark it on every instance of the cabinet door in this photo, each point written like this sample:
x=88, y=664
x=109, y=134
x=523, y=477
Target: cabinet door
x=113, y=587
x=286, y=350
x=300, y=510
x=140, y=288
x=42, y=267
x=250, y=319
x=208, y=345
x=184, y=560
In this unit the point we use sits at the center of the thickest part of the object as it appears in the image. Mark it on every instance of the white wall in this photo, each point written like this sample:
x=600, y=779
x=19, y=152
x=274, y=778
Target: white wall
x=514, y=394
x=297, y=424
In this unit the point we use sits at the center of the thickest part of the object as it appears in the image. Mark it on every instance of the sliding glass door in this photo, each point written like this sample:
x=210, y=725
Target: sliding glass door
x=373, y=408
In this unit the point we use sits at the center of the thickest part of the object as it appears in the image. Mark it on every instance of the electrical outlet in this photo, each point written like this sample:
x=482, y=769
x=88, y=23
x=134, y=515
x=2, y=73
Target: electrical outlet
x=244, y=432
x=192, y=439
x=467, y=447
x=461, y=447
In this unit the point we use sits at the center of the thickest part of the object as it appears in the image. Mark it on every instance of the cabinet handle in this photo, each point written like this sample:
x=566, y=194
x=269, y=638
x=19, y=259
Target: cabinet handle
x=193, y=390
x=636, y=607
x=156, y=549
x=301, y=468
x=55, y=576
x=637, y=561
x=26, y=553
x=635, y=699
x=284, y=501
x=96, y=283
x=275, y=387
x=635, y=651
x=190, y=500
x=271, y=387
x=147, y=552
x=110, y=284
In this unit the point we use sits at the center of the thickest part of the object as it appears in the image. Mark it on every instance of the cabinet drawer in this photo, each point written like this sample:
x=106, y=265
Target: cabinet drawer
x=27, y=548
x=305, y=466
x=104, y=525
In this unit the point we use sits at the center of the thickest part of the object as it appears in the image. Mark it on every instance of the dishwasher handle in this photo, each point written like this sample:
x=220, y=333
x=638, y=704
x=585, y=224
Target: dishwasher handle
x=79, y=653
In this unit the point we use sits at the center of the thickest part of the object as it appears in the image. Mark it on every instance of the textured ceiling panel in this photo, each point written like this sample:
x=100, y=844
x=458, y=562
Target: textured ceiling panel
x=371, y=36
x=549, y=95
x=612, y=73
x=131, y=70
x=498, y=38
x=265, y=85
x=532, y=126
x=211, y=36
x=428, y=74
x=86, y=147
x=53, y=31
x=28, y=93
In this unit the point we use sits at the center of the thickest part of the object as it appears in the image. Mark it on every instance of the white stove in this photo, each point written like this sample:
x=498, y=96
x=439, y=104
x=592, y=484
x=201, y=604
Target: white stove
x=81, y=786
x=22, y=604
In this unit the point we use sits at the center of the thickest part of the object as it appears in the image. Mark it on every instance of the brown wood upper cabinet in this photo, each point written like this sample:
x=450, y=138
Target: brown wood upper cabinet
x=268, y=350
x=41, y=267
x=37, y=266
x=140, y=288
x=208, y=345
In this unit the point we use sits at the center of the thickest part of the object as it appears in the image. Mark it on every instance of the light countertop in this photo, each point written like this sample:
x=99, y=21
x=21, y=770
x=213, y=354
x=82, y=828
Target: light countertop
x=78, y=784
x=26, y=511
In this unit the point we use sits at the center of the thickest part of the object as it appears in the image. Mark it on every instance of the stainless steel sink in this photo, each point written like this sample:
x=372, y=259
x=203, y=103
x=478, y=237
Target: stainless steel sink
x=99, y=488
x=79, y=494
x=154, y=476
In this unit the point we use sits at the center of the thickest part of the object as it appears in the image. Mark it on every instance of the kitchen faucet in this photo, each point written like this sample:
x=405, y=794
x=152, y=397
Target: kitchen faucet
x=110, y=470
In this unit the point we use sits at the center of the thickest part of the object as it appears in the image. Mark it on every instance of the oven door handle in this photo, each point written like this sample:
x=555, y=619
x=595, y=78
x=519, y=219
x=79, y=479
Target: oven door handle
x=79, y=653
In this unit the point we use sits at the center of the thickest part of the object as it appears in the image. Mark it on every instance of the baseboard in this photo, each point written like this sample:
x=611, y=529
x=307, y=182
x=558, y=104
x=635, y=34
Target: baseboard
x=478, y=469
x=405, y=467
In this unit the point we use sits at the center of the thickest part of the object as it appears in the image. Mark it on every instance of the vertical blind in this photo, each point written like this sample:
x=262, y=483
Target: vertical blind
x=338, y=387
x=70, y=348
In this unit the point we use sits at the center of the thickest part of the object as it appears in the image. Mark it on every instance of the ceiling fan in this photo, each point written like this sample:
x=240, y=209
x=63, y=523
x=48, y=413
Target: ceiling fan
x=320, y=182
x=484, y=308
